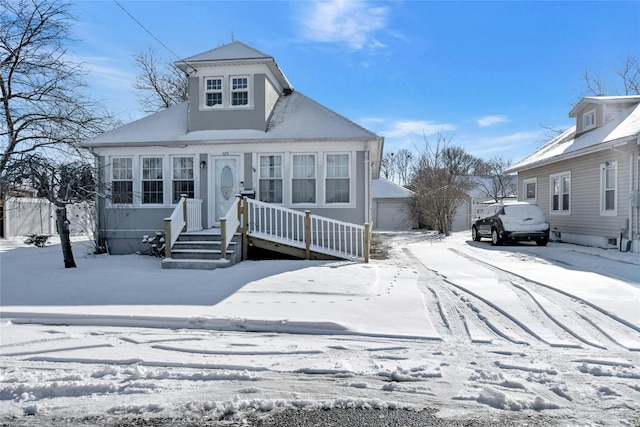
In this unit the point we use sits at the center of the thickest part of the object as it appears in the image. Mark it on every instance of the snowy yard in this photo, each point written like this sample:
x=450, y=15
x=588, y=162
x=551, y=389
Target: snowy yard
x=471, y=330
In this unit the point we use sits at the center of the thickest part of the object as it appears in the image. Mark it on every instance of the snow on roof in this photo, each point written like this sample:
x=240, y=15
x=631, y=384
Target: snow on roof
x=603, y=100
x=382, y=188
x=295, y=117
x=233, y=50
x=625, y=124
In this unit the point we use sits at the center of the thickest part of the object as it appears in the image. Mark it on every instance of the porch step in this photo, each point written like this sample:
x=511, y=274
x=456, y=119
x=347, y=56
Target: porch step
x=202, y=251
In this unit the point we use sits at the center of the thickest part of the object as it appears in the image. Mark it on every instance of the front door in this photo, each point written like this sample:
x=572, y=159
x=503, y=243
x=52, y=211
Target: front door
x=224, y=184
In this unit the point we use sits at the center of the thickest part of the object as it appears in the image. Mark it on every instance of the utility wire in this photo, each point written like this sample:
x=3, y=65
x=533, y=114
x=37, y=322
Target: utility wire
x=151, y=34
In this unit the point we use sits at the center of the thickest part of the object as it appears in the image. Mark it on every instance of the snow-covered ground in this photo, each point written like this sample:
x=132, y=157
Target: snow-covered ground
x=475, y=331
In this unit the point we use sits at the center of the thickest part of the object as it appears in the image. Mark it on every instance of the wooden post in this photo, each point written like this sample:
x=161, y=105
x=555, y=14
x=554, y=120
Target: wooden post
x=184, y=211
x=245, y=228
x=223, y=237
x=167, y=237
x=307, y=234
x=367, y=232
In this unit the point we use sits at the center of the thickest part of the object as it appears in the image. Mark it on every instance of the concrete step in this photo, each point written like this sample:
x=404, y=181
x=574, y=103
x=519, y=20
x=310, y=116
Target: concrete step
x=195, y=264
x=198, y=253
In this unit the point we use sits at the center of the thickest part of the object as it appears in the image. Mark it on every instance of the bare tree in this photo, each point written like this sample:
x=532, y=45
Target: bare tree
x=404, y=164
x=388, y=166
x=44, y=110
x=498, y=184
x=440, y=184
x=160, y=85
x=625, y=82
x=62, y=184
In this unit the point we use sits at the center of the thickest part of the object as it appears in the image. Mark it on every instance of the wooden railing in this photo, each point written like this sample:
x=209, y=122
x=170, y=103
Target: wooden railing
x=229, y=225
x=306, y=231
x=187, y=216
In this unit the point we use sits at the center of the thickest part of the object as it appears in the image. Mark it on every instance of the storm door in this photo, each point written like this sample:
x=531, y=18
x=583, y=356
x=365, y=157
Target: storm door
x=224, y=185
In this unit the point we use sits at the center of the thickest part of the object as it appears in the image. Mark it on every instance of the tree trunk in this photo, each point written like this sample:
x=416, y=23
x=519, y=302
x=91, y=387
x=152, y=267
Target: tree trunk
x=63, y=229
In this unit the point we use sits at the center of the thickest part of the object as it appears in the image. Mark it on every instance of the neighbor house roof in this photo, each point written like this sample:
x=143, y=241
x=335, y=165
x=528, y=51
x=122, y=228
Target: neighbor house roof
x=623, y=127
x=295, y=117
x=382, y=188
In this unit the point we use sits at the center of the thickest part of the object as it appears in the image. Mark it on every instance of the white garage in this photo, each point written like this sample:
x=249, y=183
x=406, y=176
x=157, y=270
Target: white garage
x=391, y=206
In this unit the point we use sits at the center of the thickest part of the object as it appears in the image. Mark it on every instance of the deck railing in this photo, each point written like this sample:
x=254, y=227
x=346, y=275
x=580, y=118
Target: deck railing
x=306, y=231
x=187, y=216
x=229, y=225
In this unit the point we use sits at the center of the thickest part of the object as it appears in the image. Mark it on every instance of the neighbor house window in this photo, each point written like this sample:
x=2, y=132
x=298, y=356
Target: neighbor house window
x=530, y=189
x=338, y=182
x=182, y=179
x=561, y=193
x=303, y=182
x=239, y=90
x=122, y=180
x=270, y=185
x=213, y=91
x=608, y=188
x=152, y=180
x=589, y=120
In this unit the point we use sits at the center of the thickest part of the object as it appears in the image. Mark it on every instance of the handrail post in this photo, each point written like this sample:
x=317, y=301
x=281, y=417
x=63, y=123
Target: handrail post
x=366, y=242
x=223, y=237
x=183, y=198
x=245, y=228
x=167, y=237
x=307, y=234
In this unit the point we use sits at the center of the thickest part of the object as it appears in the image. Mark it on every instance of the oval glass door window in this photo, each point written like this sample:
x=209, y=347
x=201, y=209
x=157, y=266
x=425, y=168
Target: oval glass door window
x=226, y=182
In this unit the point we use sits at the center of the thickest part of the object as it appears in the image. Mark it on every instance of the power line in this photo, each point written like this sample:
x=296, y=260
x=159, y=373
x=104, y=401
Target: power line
x=151, y=34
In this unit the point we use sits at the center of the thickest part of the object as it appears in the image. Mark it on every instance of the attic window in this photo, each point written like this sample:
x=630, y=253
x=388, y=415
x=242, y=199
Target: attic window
x=589, y=120
x=213, y=91
x=239, y=91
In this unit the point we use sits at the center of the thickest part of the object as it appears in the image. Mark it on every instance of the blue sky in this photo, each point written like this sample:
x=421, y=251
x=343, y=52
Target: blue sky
x=487, y=75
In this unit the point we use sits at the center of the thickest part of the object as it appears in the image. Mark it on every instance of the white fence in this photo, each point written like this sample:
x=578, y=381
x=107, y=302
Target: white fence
x=24, y=215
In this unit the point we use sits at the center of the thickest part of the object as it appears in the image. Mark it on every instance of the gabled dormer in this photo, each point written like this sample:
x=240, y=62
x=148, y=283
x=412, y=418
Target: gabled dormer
x=232, y=87
x=594, y=111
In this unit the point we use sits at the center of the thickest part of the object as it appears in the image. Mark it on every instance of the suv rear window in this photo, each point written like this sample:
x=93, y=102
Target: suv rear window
x=523, y=211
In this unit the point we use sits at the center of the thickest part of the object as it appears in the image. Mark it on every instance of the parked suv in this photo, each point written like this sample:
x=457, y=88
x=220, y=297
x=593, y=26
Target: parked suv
x=519, y=221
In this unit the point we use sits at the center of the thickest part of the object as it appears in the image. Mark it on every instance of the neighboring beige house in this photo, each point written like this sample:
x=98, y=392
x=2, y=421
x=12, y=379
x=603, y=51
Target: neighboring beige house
x=586, y=179
x=243, y=130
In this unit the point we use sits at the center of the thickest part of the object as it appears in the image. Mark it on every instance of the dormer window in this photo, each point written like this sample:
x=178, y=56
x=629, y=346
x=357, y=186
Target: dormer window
x=240, y=90
x=213, y=91
x=589, y=120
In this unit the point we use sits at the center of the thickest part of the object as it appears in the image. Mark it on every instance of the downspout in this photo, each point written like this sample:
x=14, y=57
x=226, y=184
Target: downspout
x=367, y=187
x=630, y=226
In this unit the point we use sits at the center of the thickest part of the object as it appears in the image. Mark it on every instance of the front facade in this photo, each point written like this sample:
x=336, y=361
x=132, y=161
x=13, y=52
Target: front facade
x=244, y=130
x=586, y=179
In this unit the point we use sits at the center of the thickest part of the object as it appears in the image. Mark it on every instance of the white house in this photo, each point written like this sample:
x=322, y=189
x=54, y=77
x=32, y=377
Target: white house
x=244, y=129
x=586, y=179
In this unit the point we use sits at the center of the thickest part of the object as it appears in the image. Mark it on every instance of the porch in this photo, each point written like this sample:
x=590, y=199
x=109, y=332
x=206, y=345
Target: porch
x=262, y=225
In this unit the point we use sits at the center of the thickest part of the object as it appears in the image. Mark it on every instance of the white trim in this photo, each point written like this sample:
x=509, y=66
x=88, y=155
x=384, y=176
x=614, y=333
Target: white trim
x=603, y=175
x=315, y=177
x=560, y=176
x=110, y=179
x=164, y=174
x=282, y=176
x=205, y=91
x=196, y=174
x=350, y=162
x=589, y=119
x=248, y=90
x=526, y=182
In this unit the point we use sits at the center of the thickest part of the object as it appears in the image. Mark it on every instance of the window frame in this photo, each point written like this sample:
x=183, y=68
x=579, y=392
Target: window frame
x=349, y=179
x=561, y=177
x=173, y=200
x=314, y=178
x=113, y=179
x=604, y=167
x=233, y=91
x=591, y=117
x=525, y=183
x=143, y=180
x=272, y=179
x=208, y=91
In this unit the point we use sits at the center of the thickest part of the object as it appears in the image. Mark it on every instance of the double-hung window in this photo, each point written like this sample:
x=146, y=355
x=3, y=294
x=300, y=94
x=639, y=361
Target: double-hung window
x=122, y=180
x=561, y=193
x=152, y=180
x=239, y=90
x=182, y=178
x=608, y=188
x=589, y=120
x=303, y=182
x=530, y=190
x=337, y=181
x=270, y=185
x=213, y=91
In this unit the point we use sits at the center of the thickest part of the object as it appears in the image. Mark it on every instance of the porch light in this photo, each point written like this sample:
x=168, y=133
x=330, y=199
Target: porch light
x=203, y=164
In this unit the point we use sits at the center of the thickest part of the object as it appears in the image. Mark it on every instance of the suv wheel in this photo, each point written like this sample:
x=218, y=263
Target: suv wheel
x=474, y=234
x=542, y=241
x=495, y=238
